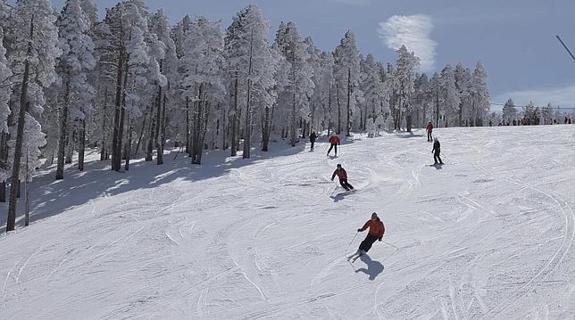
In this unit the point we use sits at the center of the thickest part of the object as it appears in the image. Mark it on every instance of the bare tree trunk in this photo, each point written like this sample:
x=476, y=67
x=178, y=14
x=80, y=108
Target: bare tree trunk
x=70, y=143
x=348, y=124
x=248, y=125
x=224, y=129
x=128, y=148
x=158, y=120
x=338, y=109
x=188, y=151
x=82, y=145
x=116, y=138
x=161, y=133
x=293, y=125
x=144, y=125
x=4, y=162
x=266, y=130
x=437, y=109
x=63, y=131
x=27, y=195
x=14, y=186
x=104, y=147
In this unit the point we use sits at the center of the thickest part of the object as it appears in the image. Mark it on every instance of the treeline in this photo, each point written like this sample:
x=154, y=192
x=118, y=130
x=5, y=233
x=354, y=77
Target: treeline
x=132, y=82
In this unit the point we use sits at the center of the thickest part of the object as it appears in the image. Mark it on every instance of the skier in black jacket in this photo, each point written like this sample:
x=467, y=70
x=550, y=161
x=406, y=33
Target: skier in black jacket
x=436, y=151
x=312, y=138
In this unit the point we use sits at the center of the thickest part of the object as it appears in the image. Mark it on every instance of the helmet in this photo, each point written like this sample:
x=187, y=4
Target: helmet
x=339, y=165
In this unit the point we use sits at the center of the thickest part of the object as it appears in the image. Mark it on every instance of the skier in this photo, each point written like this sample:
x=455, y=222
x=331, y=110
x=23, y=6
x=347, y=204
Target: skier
x=376, y=231
x=436, y=151
x=342, y=174
x=429, y=130
x=334, y=142
x=312, y=138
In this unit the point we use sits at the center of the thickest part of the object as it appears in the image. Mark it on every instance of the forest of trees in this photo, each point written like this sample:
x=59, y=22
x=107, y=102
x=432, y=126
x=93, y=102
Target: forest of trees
x=133, y=83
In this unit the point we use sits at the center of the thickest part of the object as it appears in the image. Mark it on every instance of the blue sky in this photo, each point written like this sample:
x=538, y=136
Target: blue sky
x=514, y=39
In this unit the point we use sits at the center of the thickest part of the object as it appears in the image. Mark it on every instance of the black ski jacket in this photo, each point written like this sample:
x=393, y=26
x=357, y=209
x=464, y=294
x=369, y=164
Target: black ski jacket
x=436, y=147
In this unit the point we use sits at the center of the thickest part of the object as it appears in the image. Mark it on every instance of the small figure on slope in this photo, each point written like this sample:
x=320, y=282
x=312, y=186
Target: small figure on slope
x=376, y=231
x=334, y=142
x=429, y=130
x=436, y=151
x=312, y=138
x=342, y=175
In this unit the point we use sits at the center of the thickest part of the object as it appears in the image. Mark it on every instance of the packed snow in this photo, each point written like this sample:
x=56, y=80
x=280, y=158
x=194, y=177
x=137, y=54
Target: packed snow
x=489, y=235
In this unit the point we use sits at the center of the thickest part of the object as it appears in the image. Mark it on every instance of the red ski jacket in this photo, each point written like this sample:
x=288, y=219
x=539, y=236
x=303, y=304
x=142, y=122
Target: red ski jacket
x=376, y=228
x=429, y=127
x=340, y=173
x=334, y=140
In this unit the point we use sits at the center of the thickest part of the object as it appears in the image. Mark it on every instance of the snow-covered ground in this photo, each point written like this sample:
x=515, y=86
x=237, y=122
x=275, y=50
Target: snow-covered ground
x=487, y=236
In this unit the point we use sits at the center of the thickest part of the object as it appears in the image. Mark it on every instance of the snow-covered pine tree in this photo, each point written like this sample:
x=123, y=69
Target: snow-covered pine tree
x=403, y=80
x=347, y=69
x=480, y=94
x=324, y=93
x=463, y=85
x=202, y=83
x=249, y=67
x=547, y=114
x=295, y=97
x=449, y=94
x=313, y=64
x=123, y=48
x=73, y=65
x=33, y=140
x=281, y=81
x=509, y=111
x=435, y=91
x=372, y=86
x=5, y=92
x=33, y=57
x=422, y=100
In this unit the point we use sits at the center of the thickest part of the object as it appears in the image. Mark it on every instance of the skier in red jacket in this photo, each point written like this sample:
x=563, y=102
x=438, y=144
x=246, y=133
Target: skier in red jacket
x=376, y=232
x=429, y=130
x=342, y=175
x=334, y=142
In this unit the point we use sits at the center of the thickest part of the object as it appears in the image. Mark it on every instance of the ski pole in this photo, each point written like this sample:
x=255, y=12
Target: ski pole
x=351, y=241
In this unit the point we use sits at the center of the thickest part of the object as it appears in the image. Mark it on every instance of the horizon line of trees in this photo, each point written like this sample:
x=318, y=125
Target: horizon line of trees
x=130, y=83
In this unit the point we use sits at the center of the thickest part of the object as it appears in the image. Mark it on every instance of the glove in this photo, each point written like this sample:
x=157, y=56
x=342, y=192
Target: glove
x=358, y=230
x=379, y=239
x=331, y=179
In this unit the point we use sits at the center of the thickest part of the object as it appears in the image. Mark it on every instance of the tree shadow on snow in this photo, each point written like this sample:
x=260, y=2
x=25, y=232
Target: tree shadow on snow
x=374, y=268
x=49, y=197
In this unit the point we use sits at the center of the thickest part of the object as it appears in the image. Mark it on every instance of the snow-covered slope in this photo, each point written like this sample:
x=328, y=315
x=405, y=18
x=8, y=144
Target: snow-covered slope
x=487, y=236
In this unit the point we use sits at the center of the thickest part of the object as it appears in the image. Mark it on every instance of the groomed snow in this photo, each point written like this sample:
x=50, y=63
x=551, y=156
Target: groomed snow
x=487, y=236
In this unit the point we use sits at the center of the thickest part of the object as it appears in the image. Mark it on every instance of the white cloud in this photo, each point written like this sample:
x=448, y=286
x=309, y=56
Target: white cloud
x=413, y=32
x=561, y=96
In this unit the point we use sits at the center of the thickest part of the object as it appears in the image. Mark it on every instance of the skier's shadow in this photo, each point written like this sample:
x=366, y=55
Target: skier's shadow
x=374, y=268
x=438, y=166
x=339, y=197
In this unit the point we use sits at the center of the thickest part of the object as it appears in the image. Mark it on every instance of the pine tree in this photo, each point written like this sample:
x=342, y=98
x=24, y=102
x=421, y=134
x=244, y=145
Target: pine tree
x=449, y=94
x=403, y=81
x=35, y=39
x=463, y=85
x=509, y=111
x=76, y=60
x=203, y=57
x=480, y=94
x=347, y=70
x=5, y=91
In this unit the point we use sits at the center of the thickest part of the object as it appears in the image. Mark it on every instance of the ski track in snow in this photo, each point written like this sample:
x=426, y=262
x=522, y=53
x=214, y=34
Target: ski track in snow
x=487, y=236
